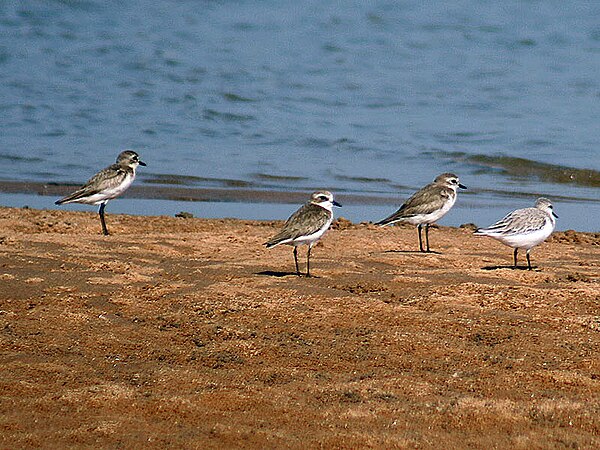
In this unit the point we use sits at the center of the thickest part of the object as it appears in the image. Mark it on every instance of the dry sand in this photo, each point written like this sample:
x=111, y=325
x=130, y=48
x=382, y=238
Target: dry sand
x=188, y=333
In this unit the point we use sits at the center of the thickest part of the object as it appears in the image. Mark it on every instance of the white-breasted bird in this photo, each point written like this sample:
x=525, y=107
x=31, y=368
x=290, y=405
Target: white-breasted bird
x=523, y=228
x=427, y=205
x=307, y=225
x=107, y=184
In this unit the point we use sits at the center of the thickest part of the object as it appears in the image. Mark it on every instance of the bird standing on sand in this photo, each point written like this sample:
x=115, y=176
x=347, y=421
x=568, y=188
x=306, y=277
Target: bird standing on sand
x=523, y=228
x=307, y=225
x=107, y=184
x=427, y=205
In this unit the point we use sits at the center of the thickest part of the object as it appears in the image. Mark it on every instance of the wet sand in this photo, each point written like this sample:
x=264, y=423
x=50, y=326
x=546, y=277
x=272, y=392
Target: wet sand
x=178, y=332
x=190, y=194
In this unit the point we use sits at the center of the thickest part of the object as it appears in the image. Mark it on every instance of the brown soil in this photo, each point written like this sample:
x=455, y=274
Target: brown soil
x=188, y=333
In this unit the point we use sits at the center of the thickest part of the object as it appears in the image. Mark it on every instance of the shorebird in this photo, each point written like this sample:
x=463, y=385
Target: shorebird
x=107, y=184
x=524, y=228
x=307, y=225
x=427, y=205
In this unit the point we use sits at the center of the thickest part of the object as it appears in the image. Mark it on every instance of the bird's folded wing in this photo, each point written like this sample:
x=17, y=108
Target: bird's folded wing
x=106, y=179
x=521, y=221
x=307, y=220
x=426, y=201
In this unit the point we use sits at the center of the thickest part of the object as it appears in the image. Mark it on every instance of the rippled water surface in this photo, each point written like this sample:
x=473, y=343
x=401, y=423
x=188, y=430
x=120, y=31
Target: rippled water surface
x=360, y=97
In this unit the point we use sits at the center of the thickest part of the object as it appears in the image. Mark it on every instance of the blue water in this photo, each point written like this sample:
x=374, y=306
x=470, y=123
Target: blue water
x=355, y=96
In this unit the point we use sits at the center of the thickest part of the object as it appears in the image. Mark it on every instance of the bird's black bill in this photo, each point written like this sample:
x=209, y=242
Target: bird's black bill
x=462, y=186
x=142, y=163
x=334, y=203
x=554, y=214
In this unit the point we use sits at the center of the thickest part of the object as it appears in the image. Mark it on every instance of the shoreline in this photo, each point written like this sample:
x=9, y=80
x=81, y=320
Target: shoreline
x=248, y=194
x=188, y=332
x=255, y=204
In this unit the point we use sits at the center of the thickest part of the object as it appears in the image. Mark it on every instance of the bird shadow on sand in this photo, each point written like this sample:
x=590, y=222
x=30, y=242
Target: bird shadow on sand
x=534, y=268
x=281, y=274
x=431, y=252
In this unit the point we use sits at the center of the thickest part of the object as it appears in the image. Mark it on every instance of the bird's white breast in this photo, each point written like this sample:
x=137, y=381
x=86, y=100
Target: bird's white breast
x=112, y=192
x=525, y=240
x=435, y=215
x=312, y=238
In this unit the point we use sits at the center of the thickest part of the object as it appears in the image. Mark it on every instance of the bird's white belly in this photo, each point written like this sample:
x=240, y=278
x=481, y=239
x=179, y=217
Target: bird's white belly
x=310, y=238
x=108, y=194
x=526, y=241
x=433, y=216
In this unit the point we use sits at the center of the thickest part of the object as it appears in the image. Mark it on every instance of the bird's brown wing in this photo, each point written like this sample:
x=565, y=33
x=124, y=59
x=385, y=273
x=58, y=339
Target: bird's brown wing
x=107, y=178
x=425, y=201
x=309, y=219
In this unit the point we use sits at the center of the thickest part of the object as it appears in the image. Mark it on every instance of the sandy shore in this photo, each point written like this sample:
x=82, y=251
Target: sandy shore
x=188, y=333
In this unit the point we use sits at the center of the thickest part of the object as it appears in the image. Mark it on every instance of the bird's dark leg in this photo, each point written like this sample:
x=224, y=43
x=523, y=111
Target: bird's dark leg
x=528, y=261
x=427, y=236
x=296, y=260
x=515, y=256
x=308, y=260
x=101, y=212
x=420, y=239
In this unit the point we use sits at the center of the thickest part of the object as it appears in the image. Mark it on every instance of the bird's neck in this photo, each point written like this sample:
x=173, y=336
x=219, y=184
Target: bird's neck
x=325, y=205
x=129, y=169
x=451, y=188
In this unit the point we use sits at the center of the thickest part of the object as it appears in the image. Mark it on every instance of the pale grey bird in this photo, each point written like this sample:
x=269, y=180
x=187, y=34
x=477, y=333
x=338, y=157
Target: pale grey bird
x=427, y=205
x=307, y=225
x=523, y=228
x=107, y=184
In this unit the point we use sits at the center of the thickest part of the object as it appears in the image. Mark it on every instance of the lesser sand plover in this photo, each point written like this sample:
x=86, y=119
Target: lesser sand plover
x=107, y=184
x=427, y=205
x=307, y=225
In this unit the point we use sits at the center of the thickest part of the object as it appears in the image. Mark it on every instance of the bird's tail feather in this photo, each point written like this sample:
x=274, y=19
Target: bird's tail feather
x=385, y=222
x=277, y=240
x=271, y=244
x=73, y=196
